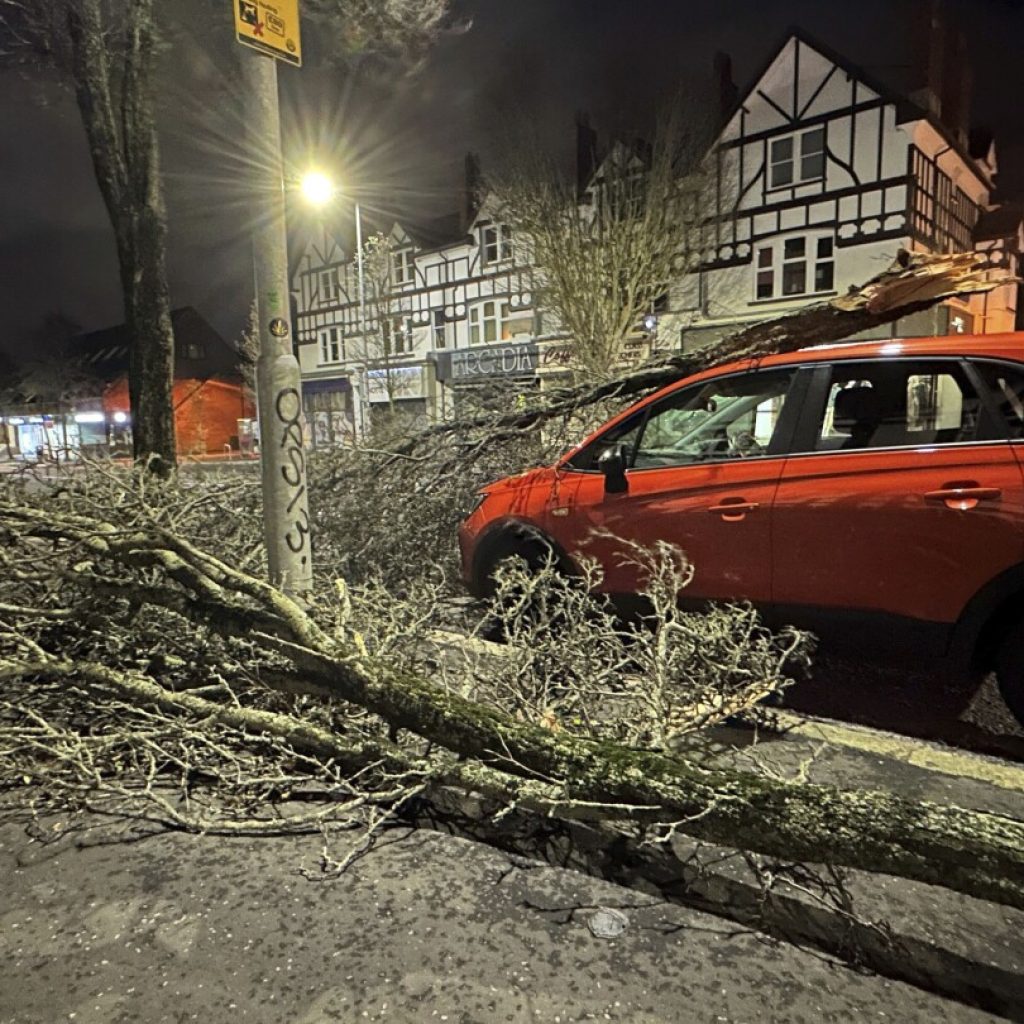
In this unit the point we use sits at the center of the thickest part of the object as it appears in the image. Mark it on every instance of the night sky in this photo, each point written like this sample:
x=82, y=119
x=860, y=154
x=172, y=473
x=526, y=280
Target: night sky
x=398, y=143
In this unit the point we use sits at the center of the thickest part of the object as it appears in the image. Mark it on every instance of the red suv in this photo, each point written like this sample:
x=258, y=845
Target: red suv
x=874, y=485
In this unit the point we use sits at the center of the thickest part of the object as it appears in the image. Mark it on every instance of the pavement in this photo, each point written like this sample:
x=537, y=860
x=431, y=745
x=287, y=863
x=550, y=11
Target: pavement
x=433, y=927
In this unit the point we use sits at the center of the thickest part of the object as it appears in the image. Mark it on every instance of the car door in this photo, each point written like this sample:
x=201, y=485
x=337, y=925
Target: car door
x=902, y=497
x=702, y=467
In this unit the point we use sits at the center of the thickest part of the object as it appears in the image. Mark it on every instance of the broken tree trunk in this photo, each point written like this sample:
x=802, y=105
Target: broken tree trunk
x=979, y=854
x=914, y=282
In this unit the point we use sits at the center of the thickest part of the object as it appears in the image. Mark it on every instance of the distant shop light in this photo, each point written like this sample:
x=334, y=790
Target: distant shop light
x=15, y=421
x=650, y=322
x=89, y=417
x=120, y=417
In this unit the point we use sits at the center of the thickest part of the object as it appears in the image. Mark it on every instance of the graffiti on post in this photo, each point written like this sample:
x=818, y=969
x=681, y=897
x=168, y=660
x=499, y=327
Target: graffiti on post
x=288, y=407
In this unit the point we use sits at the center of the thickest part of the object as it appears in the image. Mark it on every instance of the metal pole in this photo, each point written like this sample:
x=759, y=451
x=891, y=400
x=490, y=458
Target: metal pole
x=364, y=395
x=286, y=523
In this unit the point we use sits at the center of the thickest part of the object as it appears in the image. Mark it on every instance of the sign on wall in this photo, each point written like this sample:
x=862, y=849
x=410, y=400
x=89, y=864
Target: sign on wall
x=270, y=26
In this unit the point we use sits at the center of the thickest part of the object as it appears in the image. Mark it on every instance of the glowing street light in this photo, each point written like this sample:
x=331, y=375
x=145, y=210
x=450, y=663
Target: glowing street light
x=317, y=189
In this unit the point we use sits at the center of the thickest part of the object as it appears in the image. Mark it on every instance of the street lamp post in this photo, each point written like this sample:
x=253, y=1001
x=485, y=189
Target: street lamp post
x=319, y=190
x=286, y=524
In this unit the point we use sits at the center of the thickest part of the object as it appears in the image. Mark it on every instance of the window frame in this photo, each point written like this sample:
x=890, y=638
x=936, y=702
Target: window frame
x=811, y=260
x=585, y=460
x=987, y=429
x=325, y=342
x=478, y=321
x=796, y=158
x=496, y=237
x=327, y=296
x=403, y=268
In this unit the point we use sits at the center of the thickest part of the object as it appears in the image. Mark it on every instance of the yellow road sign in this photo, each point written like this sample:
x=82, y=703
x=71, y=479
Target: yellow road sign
x=270, y=26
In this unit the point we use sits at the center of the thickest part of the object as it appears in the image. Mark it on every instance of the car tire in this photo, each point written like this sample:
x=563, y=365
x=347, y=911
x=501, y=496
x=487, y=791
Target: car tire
x=529, y=550
x=1010, y=670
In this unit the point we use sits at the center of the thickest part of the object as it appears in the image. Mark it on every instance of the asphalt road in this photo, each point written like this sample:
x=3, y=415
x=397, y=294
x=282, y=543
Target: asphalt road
x=428, y=928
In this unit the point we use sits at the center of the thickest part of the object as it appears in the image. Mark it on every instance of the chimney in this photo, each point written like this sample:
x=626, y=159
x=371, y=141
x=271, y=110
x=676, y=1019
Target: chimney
x=472, y=186
x=955, y=98
x=929, y=33
x=726, y=88
x=586, y=151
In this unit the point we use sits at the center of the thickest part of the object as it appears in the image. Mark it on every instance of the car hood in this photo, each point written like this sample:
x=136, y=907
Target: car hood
x=521, y=481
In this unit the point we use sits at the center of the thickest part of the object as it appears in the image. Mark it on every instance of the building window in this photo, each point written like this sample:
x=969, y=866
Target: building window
x=328, y=286
x=398, y=340
x=402, y=266
x=438, y=329
x=488, y=322
x=795, y=266
x=797, y=158
x=331, y=348
x=497, y=243
x=193, y=350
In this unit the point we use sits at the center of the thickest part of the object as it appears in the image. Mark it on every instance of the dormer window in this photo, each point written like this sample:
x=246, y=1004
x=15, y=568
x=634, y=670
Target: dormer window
x=796, y=159
x=496, y=241
x=328, y=286
x=402, y=266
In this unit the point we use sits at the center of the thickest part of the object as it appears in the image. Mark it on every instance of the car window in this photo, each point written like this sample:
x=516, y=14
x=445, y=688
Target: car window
x=1006, y=385
x=895, y=403
x=728, y=418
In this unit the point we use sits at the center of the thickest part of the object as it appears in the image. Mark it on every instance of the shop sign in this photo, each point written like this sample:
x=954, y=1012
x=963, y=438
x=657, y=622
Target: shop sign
x=494, y=361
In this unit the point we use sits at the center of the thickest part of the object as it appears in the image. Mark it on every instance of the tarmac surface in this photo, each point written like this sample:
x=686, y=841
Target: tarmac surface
x=430, y=927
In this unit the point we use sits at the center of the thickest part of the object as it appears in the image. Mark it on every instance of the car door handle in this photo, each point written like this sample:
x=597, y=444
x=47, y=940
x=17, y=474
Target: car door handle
x=733, y=511
x=963, y=499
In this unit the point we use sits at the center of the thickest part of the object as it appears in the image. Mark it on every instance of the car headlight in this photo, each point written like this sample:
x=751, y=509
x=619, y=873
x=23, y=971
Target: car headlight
x=481, y=497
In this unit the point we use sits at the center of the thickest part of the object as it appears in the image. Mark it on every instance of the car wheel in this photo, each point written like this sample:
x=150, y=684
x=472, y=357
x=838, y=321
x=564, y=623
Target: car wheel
x=1010, y=670
x=535, y=554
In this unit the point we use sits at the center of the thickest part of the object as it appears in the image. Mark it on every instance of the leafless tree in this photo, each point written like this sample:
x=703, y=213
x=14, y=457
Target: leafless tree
x=606, y=250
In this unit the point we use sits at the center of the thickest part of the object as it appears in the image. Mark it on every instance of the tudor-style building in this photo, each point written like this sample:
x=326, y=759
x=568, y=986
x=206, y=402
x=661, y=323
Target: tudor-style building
x=453, y=306
x=819, y=176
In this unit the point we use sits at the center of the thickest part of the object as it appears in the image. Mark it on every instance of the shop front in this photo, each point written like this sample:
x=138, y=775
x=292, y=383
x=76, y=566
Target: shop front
x=487, y=377
x=329, y=410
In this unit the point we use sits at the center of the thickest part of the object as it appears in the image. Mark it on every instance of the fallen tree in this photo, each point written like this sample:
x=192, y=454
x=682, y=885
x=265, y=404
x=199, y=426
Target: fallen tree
x=517, y=762
x=145, y=679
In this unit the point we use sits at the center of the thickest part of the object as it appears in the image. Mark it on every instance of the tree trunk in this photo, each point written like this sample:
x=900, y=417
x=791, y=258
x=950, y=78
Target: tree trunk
x=125, y=157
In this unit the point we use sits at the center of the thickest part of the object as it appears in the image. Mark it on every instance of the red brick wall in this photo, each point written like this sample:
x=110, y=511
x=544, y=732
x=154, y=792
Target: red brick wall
x=206, y=413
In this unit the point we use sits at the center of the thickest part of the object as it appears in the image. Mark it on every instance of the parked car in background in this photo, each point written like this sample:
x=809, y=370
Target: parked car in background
x=869, y=491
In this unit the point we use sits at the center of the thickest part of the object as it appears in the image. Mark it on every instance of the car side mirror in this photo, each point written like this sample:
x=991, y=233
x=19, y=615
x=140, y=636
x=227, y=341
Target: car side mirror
x=612, y=463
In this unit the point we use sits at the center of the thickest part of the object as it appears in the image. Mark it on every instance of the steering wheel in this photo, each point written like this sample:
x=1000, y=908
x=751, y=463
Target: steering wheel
x=743, y=443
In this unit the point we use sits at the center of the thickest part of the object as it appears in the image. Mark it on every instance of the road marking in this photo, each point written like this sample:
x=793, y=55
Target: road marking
x=916, y=752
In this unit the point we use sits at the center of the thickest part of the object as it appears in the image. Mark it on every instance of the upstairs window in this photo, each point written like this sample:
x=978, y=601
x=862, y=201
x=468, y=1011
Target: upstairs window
x=802, y=265
x=438, y=329
x=332, y=349
x=398, y=340
x=488, y=321
x=496, y=242
x=328, y=286
x=402, y=267
x=797, y=158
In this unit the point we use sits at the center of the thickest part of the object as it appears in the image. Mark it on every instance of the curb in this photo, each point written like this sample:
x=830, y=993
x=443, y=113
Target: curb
x=920, y=753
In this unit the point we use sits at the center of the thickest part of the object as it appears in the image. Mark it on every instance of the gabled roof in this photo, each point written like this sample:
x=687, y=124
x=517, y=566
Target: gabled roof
x=105, y=352
x=906, y=109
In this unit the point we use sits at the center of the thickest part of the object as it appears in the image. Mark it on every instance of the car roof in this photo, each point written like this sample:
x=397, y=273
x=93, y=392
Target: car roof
x=1009, y=345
